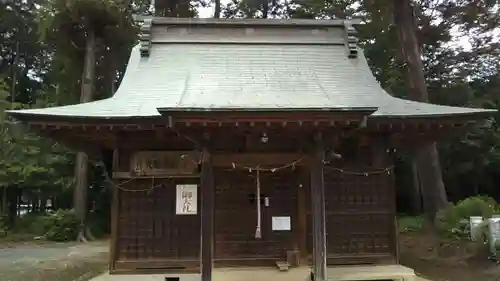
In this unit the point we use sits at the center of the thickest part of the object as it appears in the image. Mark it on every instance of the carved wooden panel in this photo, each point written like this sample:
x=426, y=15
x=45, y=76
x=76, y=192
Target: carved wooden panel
x=164, y=162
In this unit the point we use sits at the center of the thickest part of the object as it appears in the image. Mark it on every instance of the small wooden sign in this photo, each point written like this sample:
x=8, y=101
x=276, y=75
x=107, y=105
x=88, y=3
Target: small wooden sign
x=186, y=199
x=164, y=163
x=281, y=224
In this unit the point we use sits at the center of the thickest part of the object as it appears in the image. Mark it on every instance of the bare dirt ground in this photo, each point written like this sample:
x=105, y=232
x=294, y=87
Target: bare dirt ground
x=52, y=261
x=463, y=262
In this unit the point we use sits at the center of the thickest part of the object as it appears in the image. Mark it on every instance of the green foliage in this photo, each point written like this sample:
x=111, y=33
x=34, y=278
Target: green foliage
x=453, y=222
x=29, y=160
x=36, y=73
x=3, y=225
x=32, y=223
x=65, y=26
x=410, y=224
x=62, y=225
x=58, y=226
x=73, y=19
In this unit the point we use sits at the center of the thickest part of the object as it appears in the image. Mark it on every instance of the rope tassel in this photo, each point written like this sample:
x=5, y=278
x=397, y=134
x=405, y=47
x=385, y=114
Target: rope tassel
x=258, y=231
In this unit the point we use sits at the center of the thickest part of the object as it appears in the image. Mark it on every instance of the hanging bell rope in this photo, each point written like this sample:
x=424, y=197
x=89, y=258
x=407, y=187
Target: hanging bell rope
x=258, y=230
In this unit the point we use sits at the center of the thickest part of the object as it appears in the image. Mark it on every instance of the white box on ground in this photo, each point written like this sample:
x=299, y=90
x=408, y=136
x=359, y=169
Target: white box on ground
x=494, y=232
x=475, y=227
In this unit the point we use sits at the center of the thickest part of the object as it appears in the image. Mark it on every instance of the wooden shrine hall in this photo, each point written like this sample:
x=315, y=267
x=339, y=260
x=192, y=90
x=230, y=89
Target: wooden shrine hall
x=240, y=143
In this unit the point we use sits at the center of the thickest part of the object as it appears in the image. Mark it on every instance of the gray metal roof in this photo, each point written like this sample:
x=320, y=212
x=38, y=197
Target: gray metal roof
x=246, y=67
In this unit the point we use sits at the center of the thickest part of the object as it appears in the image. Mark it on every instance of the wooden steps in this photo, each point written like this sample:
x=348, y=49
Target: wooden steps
x=283, y=265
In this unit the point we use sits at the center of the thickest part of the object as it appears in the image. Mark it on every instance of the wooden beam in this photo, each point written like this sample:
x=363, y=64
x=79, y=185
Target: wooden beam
x=91, y=148
x=207, y=216
x=129, y=175
x=251, y=159
x=318, y=210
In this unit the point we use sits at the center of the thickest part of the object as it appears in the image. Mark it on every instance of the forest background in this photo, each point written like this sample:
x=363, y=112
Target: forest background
x=46, y=47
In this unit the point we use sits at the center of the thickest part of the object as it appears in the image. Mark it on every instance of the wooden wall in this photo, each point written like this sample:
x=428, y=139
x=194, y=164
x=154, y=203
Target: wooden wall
x=236, y=216
x=149, y=235
x=360, y=217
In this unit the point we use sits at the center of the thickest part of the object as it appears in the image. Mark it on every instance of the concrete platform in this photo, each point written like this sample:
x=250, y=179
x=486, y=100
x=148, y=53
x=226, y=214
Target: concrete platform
x=385, y=272
x=345, y=273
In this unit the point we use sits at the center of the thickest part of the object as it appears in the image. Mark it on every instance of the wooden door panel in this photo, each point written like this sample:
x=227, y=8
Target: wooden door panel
x=236, y=214
x=359, y=215
x=148, y=227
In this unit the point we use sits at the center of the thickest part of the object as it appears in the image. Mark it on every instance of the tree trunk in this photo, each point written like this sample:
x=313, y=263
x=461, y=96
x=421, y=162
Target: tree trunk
x=35, y=203
x=217, y=9
x=265, y=10
x=12, y=195
x=81, y=167
x=427, y=159
x=4, y=200
x=43, y=203
x=416, y=190
x=19, y=203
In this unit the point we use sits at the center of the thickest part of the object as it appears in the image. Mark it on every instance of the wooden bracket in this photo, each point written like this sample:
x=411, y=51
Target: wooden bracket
x=351, y=40
x=145, y=37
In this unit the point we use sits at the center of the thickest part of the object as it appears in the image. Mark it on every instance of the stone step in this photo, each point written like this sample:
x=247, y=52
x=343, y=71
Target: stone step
x=283, y=265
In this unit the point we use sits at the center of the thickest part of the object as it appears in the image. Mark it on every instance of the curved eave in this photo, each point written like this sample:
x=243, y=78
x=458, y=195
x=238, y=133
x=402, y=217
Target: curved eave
x=458, y=116
x=169, y=115
x=401, y=110
x=429, y=127
x=28, y=117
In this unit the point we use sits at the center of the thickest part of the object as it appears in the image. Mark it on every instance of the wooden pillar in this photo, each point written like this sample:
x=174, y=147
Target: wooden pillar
x=114, y=229
x=301, y=235
x=379, y=152
x=318, y=211
x=115, y=212
x=380, y=160
x=207, y=216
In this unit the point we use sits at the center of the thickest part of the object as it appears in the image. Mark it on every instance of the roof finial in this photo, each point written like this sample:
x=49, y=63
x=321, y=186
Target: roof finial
x=351, y=40
x=145, y=37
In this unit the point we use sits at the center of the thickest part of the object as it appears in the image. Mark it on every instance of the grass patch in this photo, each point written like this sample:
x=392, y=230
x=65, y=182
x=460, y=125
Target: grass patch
x=408, y=224
x=15, y=239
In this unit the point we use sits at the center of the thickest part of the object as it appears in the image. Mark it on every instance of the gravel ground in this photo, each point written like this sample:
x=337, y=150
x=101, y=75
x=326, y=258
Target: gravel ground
x=53, y=261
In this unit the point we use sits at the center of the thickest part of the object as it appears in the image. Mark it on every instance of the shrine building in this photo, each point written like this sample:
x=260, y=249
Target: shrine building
x=249, y=143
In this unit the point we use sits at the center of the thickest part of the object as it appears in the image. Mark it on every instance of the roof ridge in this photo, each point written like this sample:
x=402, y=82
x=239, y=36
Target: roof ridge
x=250, y=22
x=161, y=30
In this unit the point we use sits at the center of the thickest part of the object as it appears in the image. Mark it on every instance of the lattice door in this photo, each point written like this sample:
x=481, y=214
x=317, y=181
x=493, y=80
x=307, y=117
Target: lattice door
x=359, y=216
x=236, y=215
x=148, y=227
